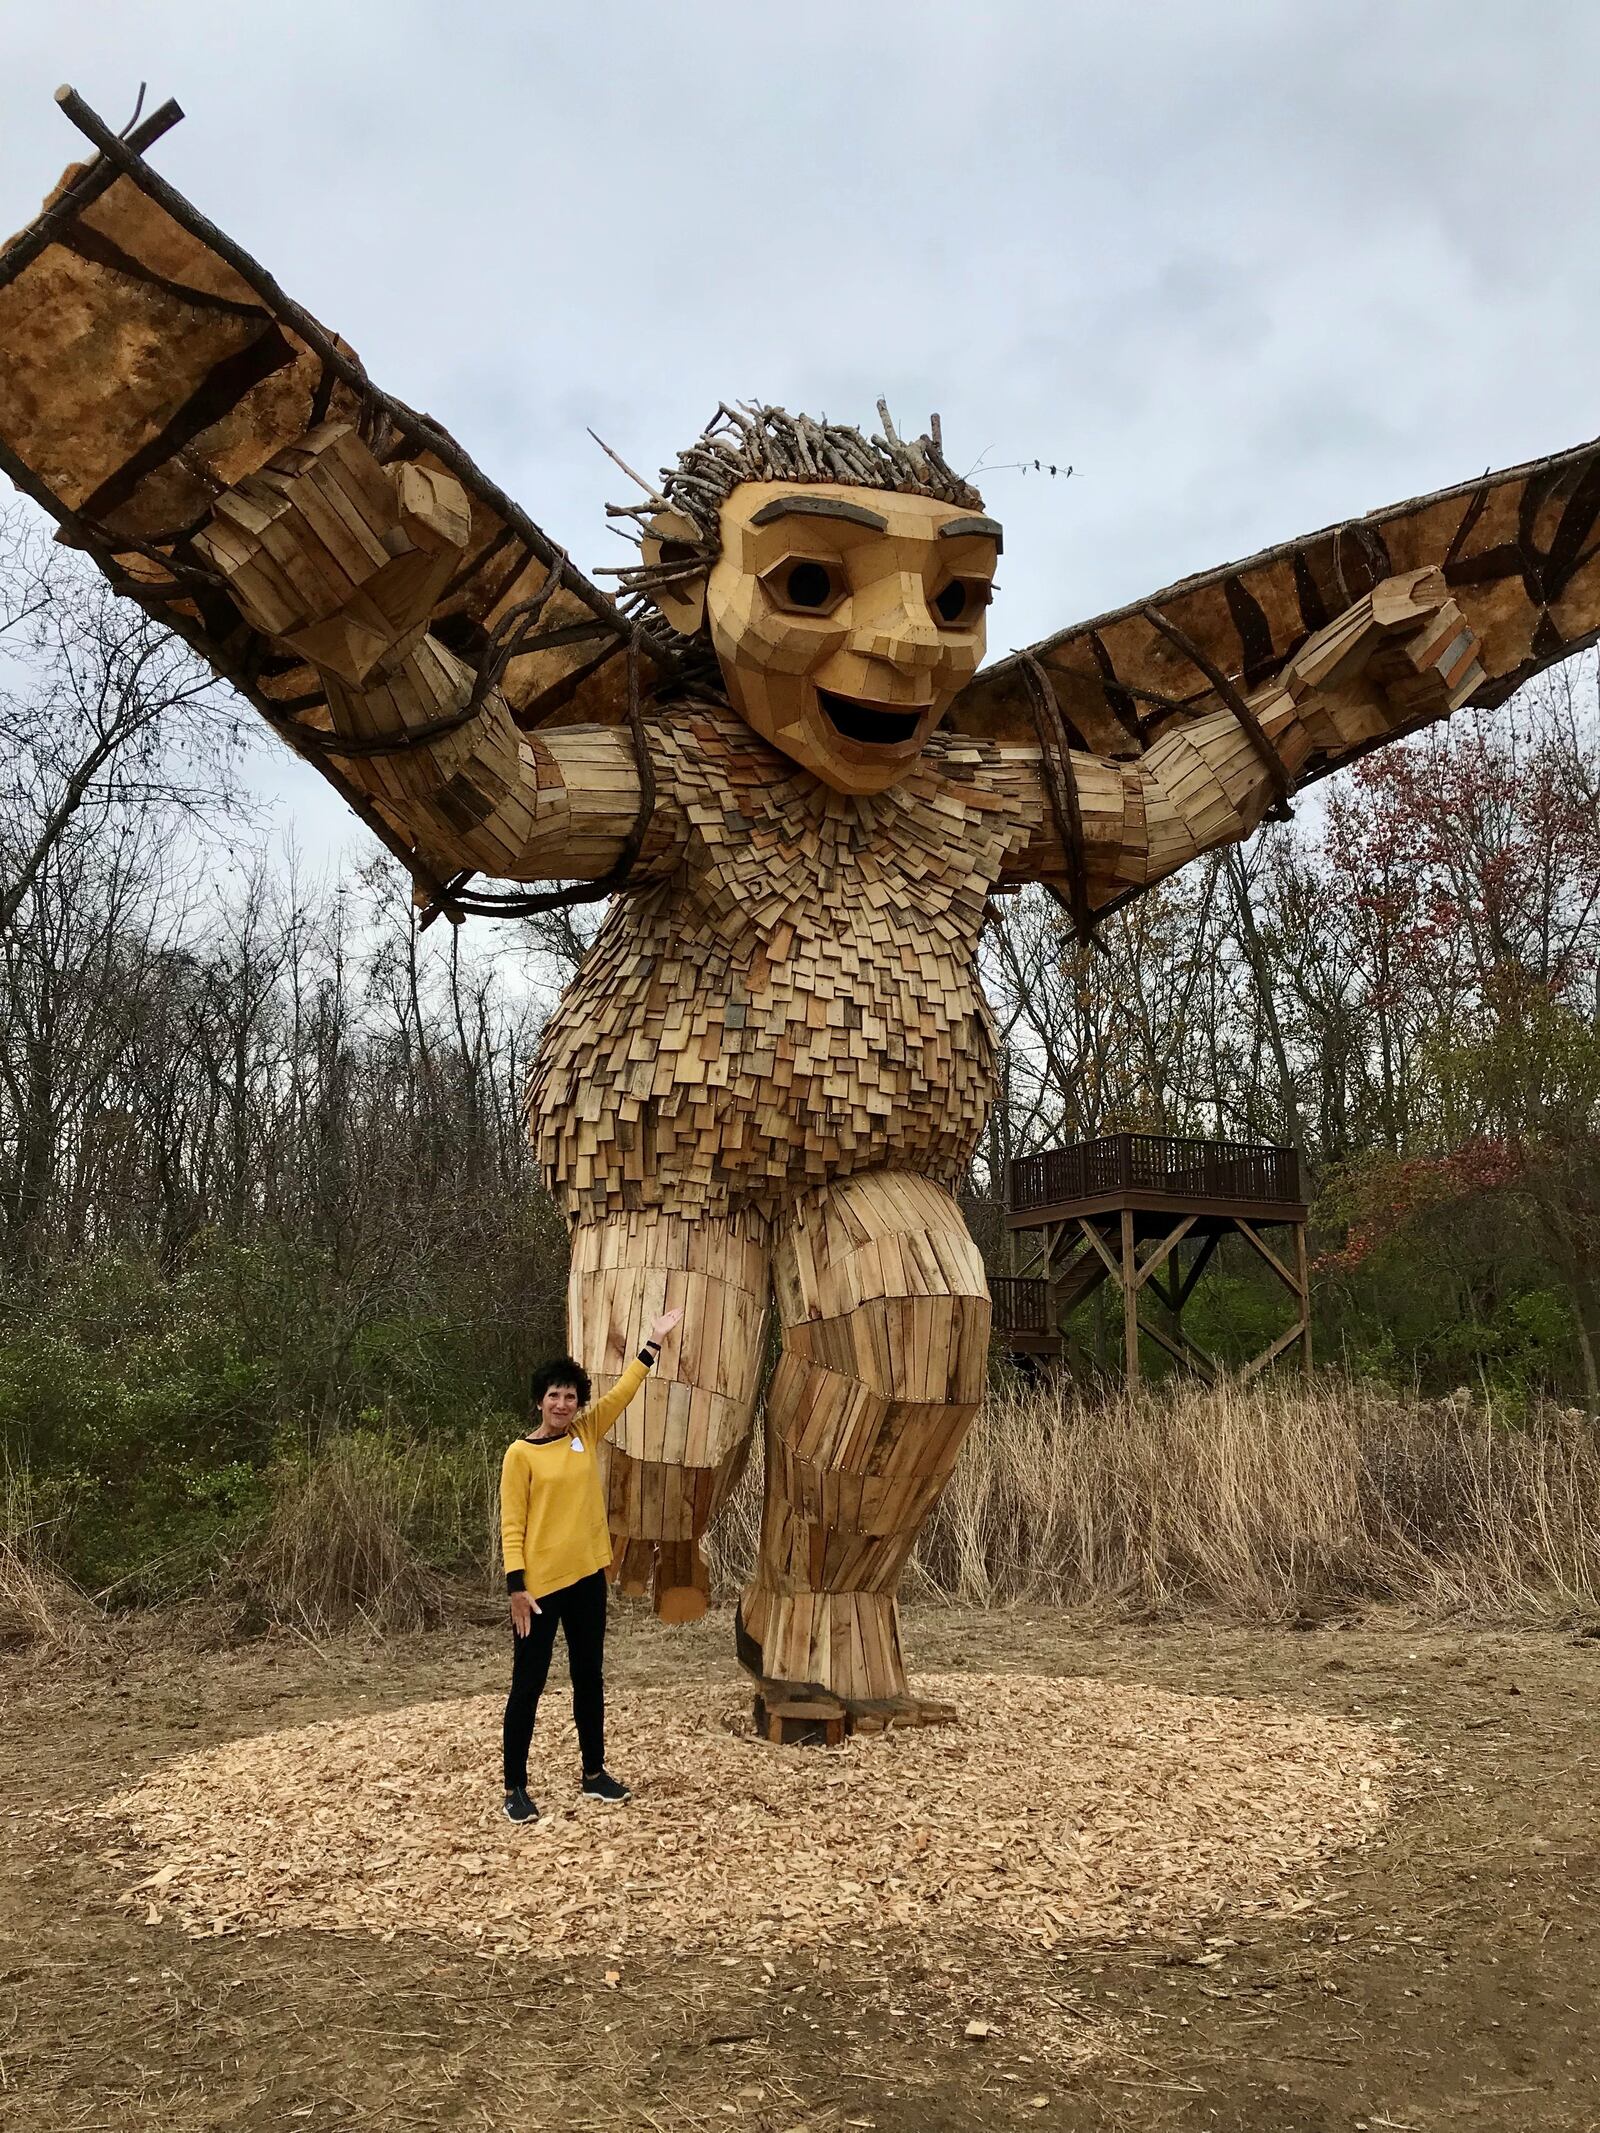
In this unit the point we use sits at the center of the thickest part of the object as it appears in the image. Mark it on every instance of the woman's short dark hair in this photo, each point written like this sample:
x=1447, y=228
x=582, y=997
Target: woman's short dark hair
x=560, y=1370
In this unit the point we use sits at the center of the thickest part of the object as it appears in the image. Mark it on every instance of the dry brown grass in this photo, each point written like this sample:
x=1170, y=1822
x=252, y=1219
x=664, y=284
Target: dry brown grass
x=1258, y=1503
x=37, y=1605
x=337, y=1551
x=1263, y=1503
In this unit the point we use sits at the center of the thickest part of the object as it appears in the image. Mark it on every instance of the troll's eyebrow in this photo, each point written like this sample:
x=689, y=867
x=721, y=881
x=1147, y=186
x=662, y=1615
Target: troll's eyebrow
x=819, y=507
x=987, y=528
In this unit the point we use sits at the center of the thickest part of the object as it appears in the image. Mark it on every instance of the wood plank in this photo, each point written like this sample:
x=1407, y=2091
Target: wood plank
x=1270, y=1355
x=1270, y=1256
x=1158, y=1259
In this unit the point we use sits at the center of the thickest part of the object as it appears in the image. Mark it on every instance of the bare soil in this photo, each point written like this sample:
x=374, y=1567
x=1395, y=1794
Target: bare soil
x=1449, y=1980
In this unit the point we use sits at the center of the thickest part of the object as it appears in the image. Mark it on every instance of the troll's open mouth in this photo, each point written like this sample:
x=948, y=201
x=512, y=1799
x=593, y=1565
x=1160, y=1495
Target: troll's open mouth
x=872, y=724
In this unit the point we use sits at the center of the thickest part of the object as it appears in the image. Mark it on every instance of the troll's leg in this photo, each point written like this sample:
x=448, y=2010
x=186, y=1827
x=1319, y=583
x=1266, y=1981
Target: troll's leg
x=885, y=1315
x=679, y=1448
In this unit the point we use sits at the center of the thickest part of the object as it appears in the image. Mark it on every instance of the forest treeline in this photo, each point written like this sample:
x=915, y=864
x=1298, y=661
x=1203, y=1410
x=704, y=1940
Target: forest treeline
x=264, y=1176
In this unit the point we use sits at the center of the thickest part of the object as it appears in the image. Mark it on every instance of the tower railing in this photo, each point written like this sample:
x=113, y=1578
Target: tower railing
x=1156, y=1163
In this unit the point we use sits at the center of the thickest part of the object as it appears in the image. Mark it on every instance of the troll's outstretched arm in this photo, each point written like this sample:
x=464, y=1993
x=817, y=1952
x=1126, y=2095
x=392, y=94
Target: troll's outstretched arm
x=342, y=560
x=1396, y=658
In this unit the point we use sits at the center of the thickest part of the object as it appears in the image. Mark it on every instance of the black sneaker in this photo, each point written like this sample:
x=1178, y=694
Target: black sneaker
x=519, y=1808
x=603, y=1786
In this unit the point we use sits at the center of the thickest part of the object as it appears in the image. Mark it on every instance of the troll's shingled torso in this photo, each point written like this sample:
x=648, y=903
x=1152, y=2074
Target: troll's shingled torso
x=794, y=994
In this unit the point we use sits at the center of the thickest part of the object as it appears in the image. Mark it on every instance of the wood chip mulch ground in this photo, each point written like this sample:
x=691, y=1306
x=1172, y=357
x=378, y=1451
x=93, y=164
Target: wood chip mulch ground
x=1059, y=1811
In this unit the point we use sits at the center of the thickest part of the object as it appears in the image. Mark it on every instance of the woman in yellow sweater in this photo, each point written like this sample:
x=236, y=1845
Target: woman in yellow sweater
x=557, y=1544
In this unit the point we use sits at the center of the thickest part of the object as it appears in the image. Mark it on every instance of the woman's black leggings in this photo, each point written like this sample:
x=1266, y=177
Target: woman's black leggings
x=581, y=1611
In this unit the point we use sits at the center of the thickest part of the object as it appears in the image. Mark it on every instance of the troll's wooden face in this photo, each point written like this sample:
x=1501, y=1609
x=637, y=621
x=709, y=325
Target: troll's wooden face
x=846, y=620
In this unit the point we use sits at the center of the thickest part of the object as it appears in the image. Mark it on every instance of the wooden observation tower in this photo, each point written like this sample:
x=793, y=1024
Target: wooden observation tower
x=1147, y=1213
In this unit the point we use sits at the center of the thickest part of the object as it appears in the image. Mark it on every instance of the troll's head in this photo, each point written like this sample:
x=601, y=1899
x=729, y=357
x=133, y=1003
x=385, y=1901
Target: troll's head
x=840, y=580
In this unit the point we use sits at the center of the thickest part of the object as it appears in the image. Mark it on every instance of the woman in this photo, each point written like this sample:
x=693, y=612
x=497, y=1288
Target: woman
x=557, y=1544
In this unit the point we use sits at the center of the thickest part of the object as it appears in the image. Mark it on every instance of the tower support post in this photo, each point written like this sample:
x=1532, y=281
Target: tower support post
x=1129, y=1277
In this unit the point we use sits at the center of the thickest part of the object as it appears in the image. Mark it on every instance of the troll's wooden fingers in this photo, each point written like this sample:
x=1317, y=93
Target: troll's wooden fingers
x=1397, y=658
x=336, y=556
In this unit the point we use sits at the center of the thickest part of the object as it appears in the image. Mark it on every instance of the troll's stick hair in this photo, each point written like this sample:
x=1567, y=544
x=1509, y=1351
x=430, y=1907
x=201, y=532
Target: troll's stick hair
x=749, y=442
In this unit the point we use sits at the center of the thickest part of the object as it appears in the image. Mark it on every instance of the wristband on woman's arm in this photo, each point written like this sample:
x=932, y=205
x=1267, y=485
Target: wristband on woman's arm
x=516, y=1581
x=648, y=1354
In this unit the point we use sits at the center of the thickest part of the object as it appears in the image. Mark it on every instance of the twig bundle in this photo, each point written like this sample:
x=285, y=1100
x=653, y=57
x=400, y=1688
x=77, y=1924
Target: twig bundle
x=752, y=442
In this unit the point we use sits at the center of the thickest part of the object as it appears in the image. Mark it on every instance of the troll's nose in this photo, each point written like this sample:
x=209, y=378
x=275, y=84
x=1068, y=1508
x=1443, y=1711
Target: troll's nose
x=898, y=627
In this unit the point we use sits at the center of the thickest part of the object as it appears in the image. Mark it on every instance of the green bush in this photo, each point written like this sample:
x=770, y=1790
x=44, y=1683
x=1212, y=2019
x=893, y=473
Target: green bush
x=160, y=1414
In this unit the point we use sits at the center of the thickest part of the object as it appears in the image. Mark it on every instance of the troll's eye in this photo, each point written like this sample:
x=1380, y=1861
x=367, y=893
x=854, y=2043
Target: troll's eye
x=963, y=600
x=809, y=584
x=805, y=586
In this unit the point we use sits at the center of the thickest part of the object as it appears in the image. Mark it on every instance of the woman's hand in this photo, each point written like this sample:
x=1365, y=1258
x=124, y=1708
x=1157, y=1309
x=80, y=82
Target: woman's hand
x=523, y=1609
x=662, y=1326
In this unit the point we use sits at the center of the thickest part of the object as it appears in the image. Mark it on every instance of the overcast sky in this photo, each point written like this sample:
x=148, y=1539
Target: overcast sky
x=1250, y=266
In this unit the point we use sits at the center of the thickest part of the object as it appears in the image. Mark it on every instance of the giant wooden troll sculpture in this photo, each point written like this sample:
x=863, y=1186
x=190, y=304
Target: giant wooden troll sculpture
x=763, y=1088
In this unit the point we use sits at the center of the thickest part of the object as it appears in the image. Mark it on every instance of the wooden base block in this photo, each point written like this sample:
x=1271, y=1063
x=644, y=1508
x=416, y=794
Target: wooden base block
x=802, y=1722
x=819, y=1721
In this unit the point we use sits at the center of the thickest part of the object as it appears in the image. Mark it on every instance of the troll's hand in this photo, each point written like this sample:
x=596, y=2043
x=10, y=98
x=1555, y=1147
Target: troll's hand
x=337, y=557
x=1399, y=658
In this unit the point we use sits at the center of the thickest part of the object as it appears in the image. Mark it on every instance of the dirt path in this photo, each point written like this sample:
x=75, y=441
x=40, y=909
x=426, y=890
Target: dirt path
x=1450, y=1982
